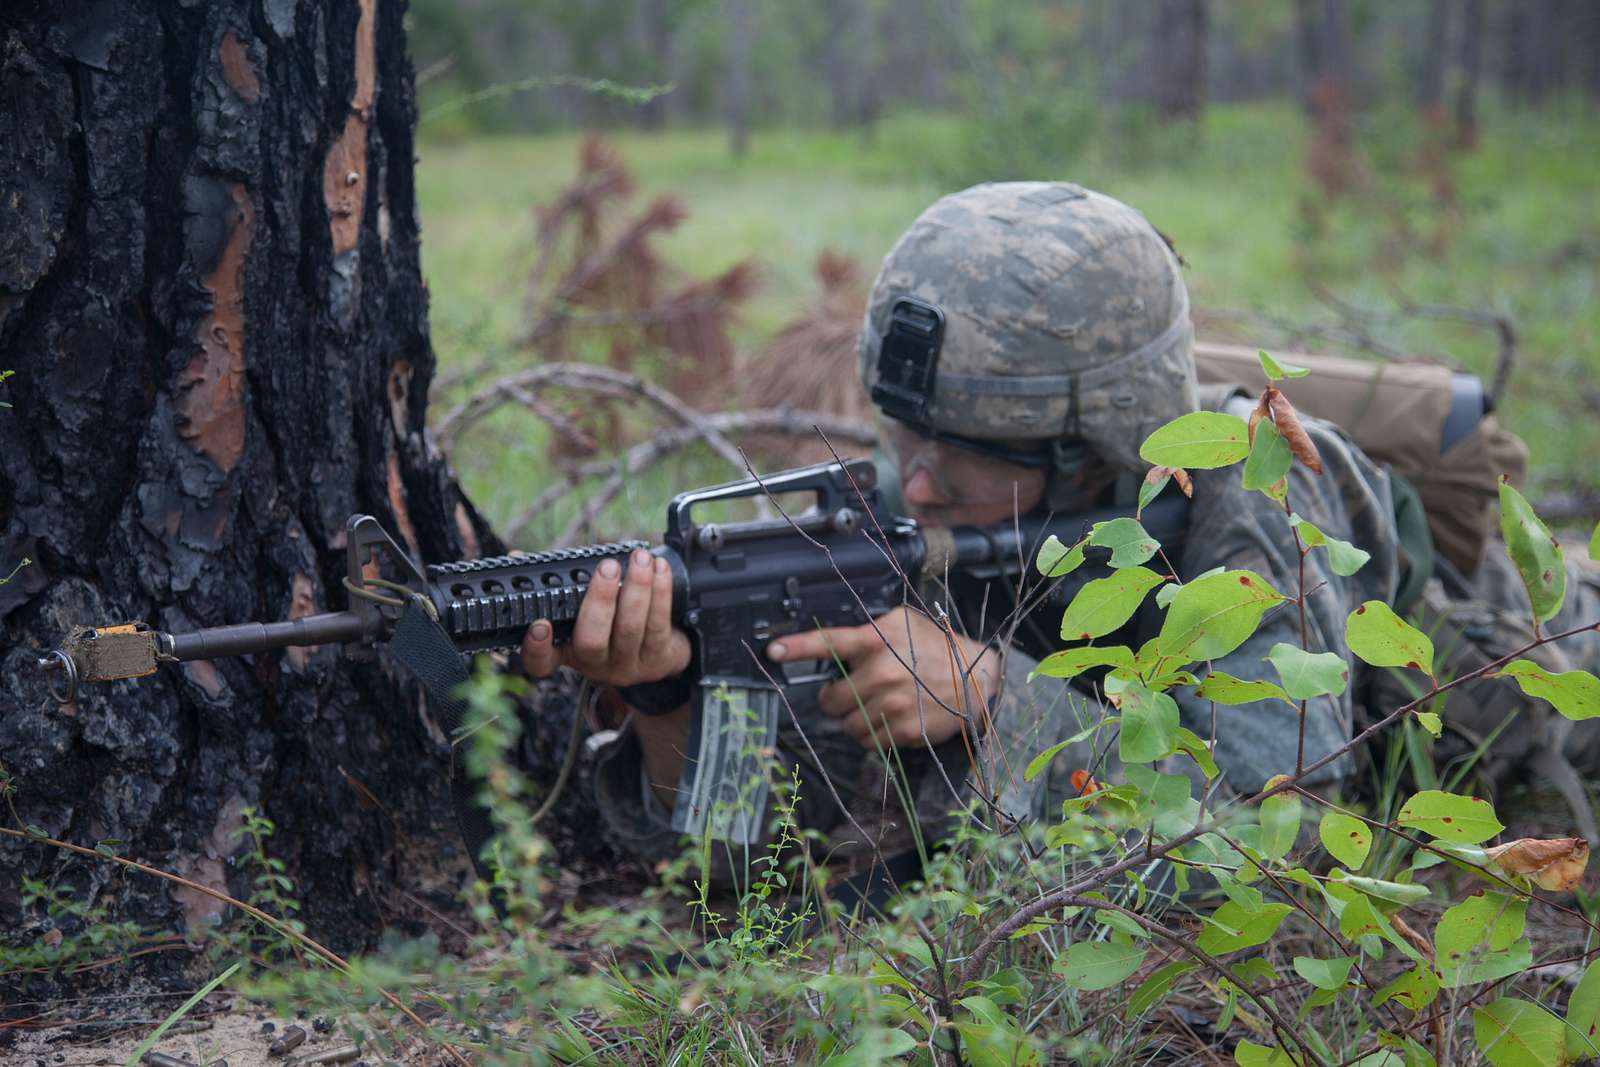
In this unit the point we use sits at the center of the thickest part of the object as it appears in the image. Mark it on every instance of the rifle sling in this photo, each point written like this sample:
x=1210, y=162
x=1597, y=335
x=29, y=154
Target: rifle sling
x=423, y=648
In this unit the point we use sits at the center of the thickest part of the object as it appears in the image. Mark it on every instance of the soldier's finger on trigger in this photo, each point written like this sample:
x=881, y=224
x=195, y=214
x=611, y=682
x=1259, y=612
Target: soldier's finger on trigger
x=591, y=636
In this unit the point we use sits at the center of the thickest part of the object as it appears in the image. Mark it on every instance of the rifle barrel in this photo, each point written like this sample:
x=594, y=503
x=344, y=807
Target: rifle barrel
x=334, y=627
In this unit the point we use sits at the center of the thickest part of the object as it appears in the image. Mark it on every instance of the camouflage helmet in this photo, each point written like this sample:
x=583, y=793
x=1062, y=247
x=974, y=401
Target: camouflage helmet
x=1065, y=318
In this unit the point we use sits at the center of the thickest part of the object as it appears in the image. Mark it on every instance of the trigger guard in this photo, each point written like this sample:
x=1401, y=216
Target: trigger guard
x=810, y=671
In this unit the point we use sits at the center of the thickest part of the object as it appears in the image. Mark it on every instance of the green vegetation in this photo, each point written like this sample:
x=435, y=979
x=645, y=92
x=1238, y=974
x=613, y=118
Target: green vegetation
x=1060, y=940
x=1521, y=239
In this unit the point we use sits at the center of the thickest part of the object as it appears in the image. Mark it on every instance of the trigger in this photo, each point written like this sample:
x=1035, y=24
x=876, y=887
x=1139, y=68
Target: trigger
x=809, y=671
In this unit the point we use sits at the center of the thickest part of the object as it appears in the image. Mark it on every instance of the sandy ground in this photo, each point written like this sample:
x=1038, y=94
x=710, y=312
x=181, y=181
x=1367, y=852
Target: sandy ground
x=223, y=1029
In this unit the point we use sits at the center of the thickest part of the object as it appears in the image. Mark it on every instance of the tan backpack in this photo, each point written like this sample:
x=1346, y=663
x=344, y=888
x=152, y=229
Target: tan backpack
x=1427, y=422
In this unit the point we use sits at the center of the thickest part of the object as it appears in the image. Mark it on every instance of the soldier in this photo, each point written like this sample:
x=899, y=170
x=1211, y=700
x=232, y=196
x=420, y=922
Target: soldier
x=1066, y=339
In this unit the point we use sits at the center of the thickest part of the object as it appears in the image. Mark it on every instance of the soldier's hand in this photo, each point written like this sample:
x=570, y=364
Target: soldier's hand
x=879, y=698
x=623, y=634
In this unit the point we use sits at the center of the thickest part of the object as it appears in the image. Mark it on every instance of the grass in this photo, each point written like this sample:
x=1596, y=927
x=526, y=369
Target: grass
x=1235, y=202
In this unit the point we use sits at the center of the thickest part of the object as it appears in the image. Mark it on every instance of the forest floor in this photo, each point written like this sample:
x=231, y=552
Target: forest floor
x=1512, y=228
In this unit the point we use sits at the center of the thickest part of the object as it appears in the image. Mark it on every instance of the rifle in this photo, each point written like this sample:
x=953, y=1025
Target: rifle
x=737, y=586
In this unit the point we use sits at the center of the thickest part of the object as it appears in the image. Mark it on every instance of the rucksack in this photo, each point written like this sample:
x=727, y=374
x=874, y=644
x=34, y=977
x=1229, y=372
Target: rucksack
x=1433, y=426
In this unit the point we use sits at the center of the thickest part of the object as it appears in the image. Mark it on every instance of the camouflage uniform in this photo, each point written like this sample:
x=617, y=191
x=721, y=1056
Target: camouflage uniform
x=1066, y=320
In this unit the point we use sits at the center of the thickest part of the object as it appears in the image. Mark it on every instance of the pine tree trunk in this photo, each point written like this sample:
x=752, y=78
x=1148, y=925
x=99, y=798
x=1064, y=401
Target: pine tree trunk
x=1430, y=87
x=736, y=100
x=1471, y=74
x=1178, y=59
x=210, y=292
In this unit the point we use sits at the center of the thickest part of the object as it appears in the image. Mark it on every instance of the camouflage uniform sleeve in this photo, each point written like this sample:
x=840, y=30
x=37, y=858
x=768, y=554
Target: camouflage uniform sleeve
x=1239, y=529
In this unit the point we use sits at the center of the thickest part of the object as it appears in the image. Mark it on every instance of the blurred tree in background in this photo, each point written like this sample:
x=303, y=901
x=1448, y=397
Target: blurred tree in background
x=847, y=63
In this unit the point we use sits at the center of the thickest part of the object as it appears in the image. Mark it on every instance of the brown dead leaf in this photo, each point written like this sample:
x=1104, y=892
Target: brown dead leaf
x=1177, y=474
x=1287, y=419
x=1263, y=411
x=1555, y=864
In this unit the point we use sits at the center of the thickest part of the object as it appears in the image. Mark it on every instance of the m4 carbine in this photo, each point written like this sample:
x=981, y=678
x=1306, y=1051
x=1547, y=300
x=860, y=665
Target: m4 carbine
x=737, y=586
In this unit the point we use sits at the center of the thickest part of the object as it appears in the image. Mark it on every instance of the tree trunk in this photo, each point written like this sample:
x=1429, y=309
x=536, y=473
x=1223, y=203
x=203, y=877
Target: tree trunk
x=1430, y=87
x=210, y=292
x=840, y=18
x=656, y=30
x=1471, y=74
x=741, y=35
x=1305, y=35
x=1178, y=48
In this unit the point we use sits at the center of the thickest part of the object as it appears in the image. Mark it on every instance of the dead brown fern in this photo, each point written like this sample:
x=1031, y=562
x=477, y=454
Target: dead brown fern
x=811, y=362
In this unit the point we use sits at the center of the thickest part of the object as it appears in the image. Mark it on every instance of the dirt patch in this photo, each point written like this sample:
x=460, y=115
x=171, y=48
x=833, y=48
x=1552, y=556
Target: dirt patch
x=223, y=1028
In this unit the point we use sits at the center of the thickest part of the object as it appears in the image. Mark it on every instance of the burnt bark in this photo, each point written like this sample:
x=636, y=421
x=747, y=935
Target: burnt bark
x=210, y=292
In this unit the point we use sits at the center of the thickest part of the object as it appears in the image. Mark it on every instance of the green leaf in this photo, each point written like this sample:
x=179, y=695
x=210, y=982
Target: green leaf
x=1415, y=989
x=1247, y=897
x=1537, y=555
x=1165, y=594
x=1071, y=662
x=1269, y=458
x=1594, y=544
x=1226, y=689
x=1344, y=559
x=1156, y=986
x=1149, y=725
x=1276, y=371
x=1451, y=817
x=1250, y=1054
x=1039, y=762
x=1404, y=893
x=1149, y=490
x=1231, y=928
x=1380, y=637
x=1583, y=1016
x=1575, y=694
x=1346, y=838
x=1200, y=440
x=35, y=830
x=1122, y=923
x=991, y=1038
x=1280, y=822
x=1195, y=746
x=1519, y=1033
x=1211, y=617
x=1430, y=722
x=1093, y=965
x=1104, y=604
x=1166, y=800
x=1480, y=939
x=1127, y=540
x=1056, y=559
x=1324, y=974
x=1251, y=971
x=1309, y=674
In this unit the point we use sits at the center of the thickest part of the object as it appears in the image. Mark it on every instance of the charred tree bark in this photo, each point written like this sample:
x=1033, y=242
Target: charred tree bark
x=210, y=292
